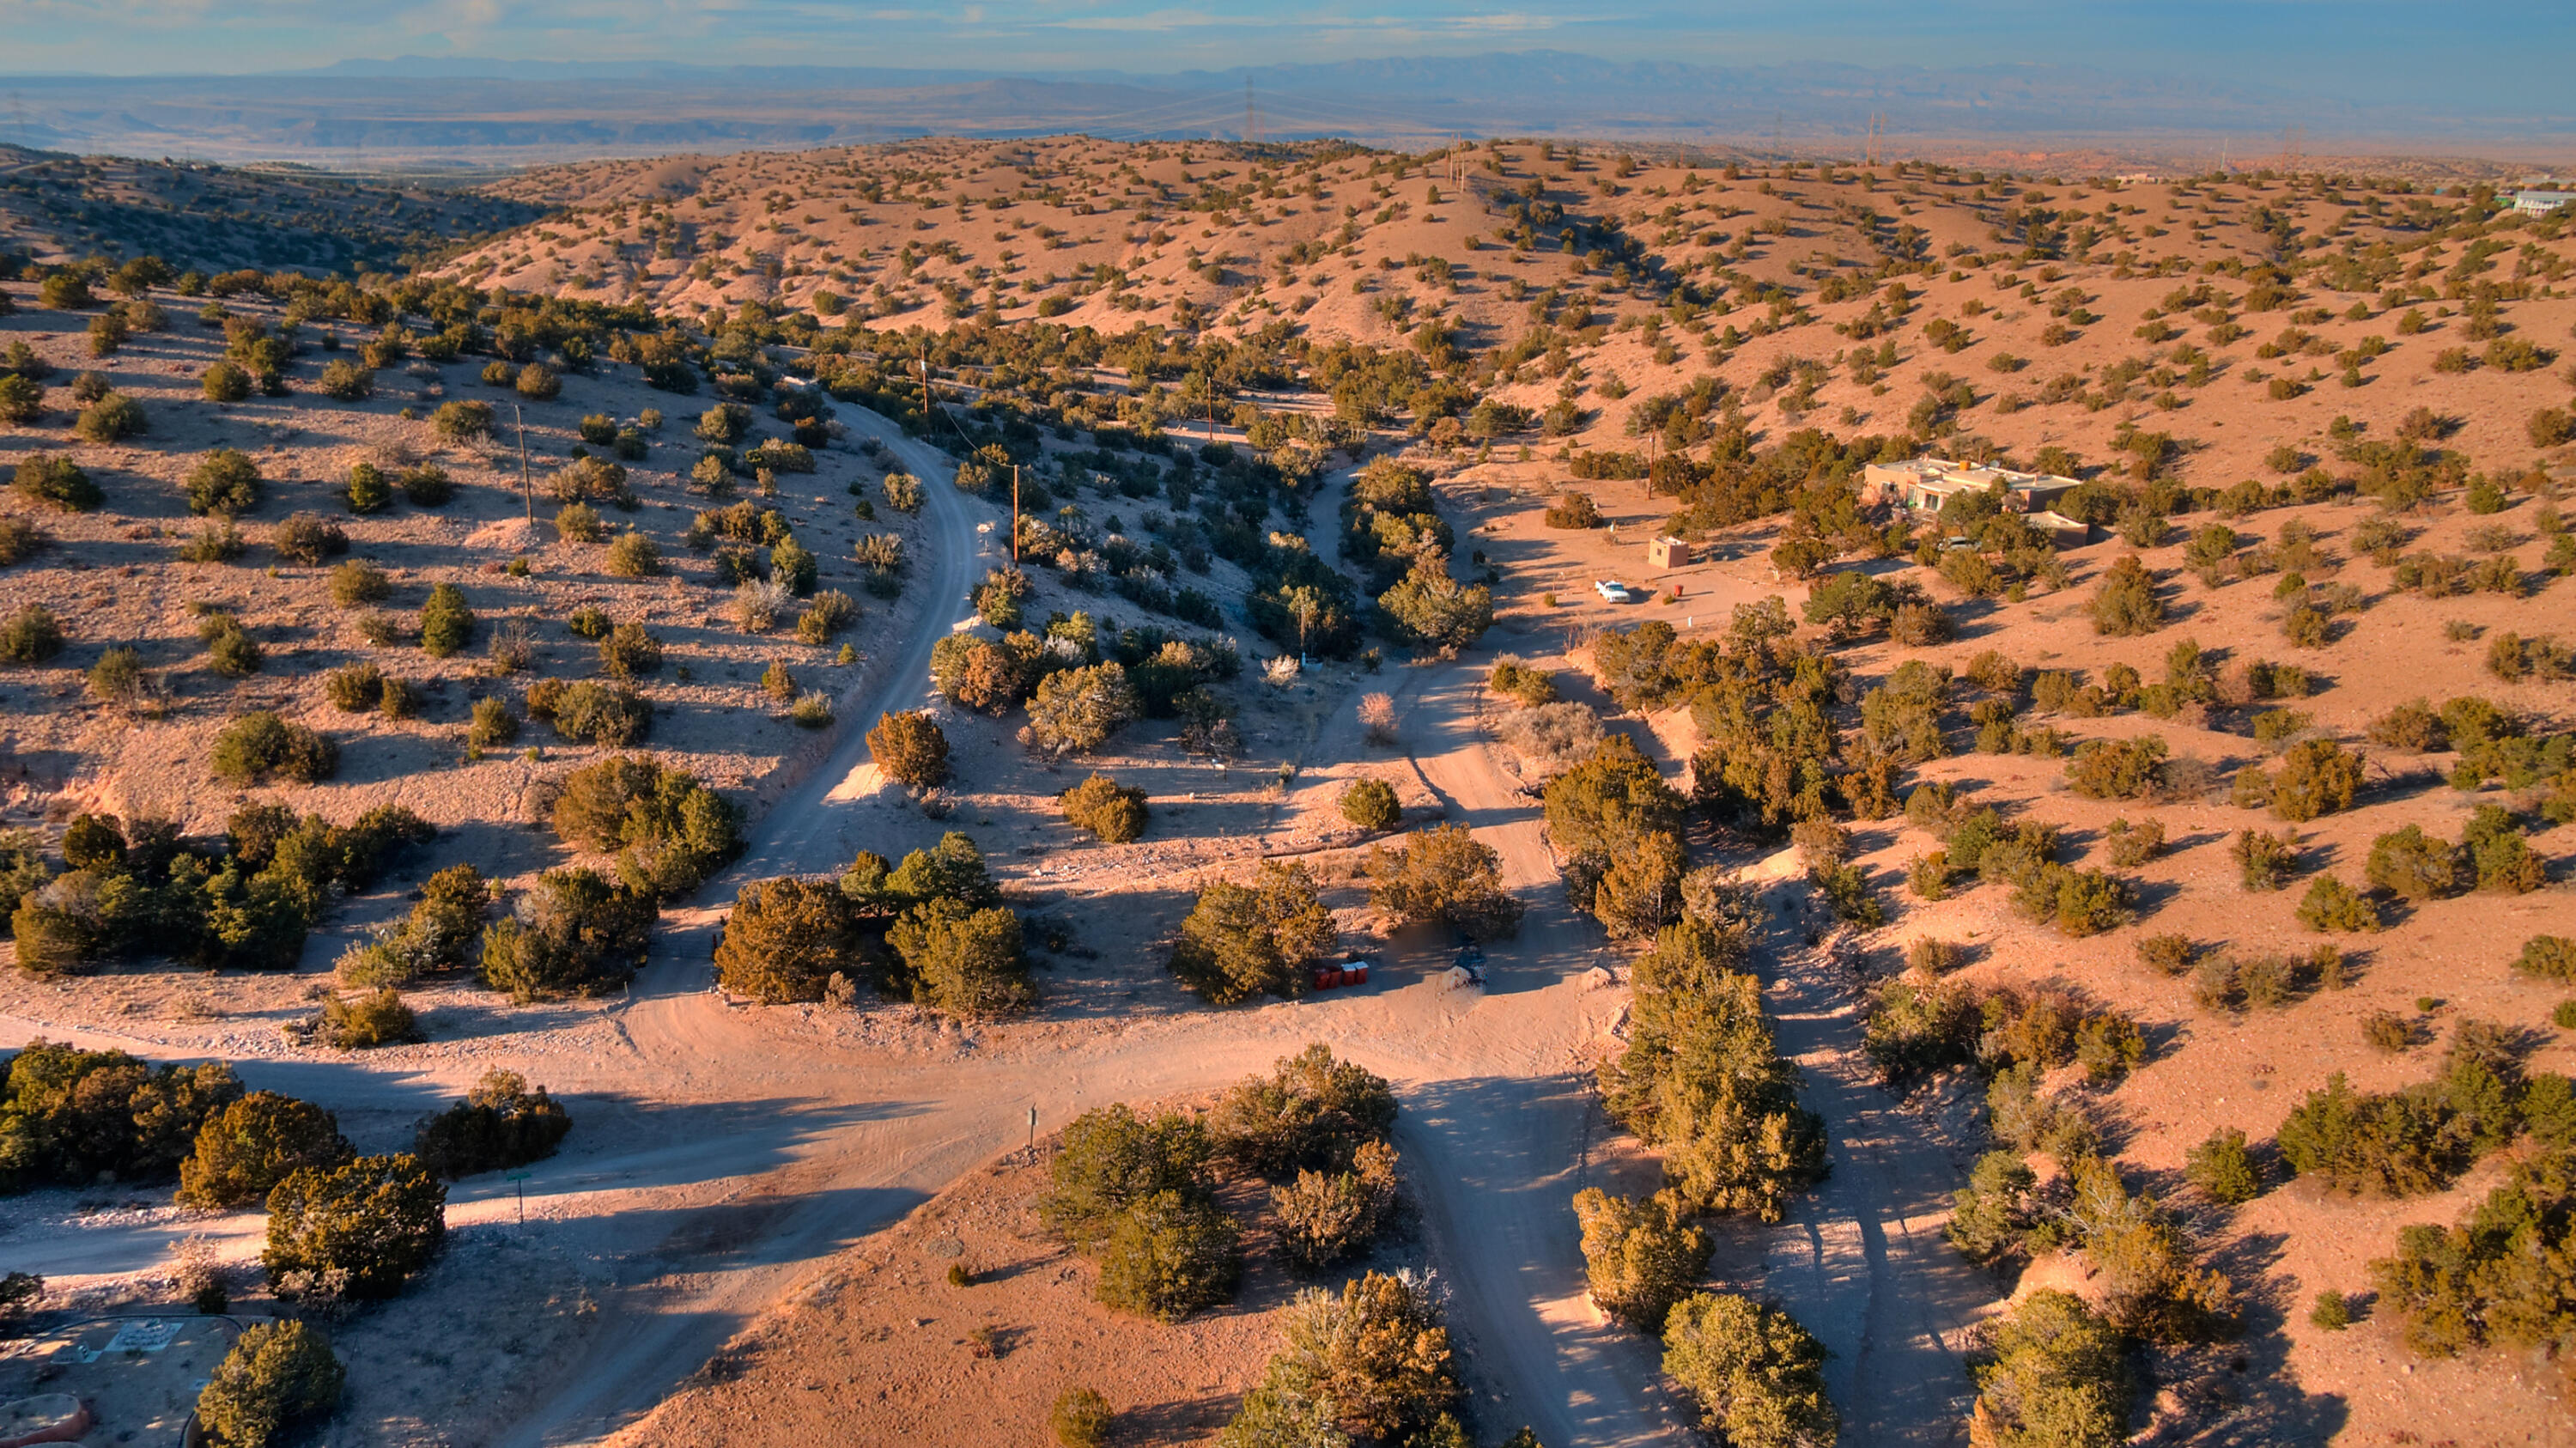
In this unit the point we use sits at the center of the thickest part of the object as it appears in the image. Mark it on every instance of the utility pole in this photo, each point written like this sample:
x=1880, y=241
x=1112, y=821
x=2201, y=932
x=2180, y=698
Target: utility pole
x=1251, y=117
x=1015, y=515
x=527, y=490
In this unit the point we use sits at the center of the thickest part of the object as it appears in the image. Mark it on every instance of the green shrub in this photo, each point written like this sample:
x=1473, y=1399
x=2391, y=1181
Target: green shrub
x=633, y=555
x=1170, y=1255
x=2414, y=865
x=2388, y=1145
x=1081, y=1418
x=668, y=830
x=55, y=482
x=610, y=716
x=501, y=1123
x=258, y=745
x=1757, y=1375
x=446, y=622
x=20, y=540
x=1379, y=1354
x=2479, y=1283
x=1518, y=681
x=462, y=421
x=119, y=678
x=1640, y=1257
x=230, y=649
x=277, y=1377
x=2265, y=861
x=1075, y=711
x=224, y=382
x=1371, y=805
x=30, y=636
x=76, y=1113
x=1992, y=1214
x=2550, y=957
x=355, y=583
x=2223, y=1169
x=1109, y=1159
x=2126, y=604
x=1702, y=1080
x=2078, y=902
x=345, y=381
x=577, y=934
x=2117, y=769
x=825, y=615
x=249, y=1146
x=579, y=523
x=785, y=940
x=354, y=689
x=225, y=481
x=2332, y=1311
x=308, y=538
x=964, y=961
x=2132, y=845
x=216, y=542
x=629, y=651
x=363, y=1022
x=2316, y=777
x=1443, y=874
x=538, y=383
x=428, y=486
x=2053, y=1375
x=357, y=1231
x=2332, y=905
x=1322, y=1218
x=1113, y=813
x=911, y=748
x=1240, y=941
x=2500, y=858
x=113, y=418
x=1312, y=1111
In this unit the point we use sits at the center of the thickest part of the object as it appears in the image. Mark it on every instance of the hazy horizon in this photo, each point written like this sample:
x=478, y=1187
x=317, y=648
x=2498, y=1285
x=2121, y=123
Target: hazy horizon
x=2493, y=59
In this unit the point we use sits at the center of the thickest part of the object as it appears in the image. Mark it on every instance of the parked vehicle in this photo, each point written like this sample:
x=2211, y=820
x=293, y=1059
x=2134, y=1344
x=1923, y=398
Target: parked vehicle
x=1615, y=591
x=1471, y=959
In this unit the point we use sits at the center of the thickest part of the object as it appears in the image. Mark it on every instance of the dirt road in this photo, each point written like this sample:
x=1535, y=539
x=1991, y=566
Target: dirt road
x=1861, y=1261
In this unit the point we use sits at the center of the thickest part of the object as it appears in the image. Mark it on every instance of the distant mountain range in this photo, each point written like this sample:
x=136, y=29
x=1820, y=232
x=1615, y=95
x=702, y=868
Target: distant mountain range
x=413, y=110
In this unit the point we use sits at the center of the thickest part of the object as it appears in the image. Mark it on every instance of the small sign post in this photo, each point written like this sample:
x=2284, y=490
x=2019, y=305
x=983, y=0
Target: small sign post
x=1033, y=1128
x=521, y=1177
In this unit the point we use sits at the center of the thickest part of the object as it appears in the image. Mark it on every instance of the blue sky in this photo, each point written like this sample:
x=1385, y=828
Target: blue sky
x=2484, y=55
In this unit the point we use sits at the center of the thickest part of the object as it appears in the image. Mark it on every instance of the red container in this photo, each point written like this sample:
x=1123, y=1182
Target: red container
x=1357, y=975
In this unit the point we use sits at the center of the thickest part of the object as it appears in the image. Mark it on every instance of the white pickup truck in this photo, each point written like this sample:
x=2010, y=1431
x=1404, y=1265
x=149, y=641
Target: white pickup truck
x=1615, y=591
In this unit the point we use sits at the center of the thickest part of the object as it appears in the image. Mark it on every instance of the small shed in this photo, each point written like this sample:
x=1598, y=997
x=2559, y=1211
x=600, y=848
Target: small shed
x=1668, y=551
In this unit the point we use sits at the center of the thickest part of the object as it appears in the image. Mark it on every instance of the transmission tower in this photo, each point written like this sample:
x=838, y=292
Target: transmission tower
x=1251, y=115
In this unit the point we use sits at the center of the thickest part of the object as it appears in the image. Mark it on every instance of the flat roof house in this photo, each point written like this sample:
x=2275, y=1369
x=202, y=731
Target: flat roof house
x=2541, y=203
x=1926, y=483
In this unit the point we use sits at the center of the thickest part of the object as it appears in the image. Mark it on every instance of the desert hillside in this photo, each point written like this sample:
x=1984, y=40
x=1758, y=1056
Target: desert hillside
x=923, y=647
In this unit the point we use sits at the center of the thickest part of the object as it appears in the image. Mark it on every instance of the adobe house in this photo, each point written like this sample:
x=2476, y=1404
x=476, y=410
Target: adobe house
x=1668, y=552
x=1924, y=484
